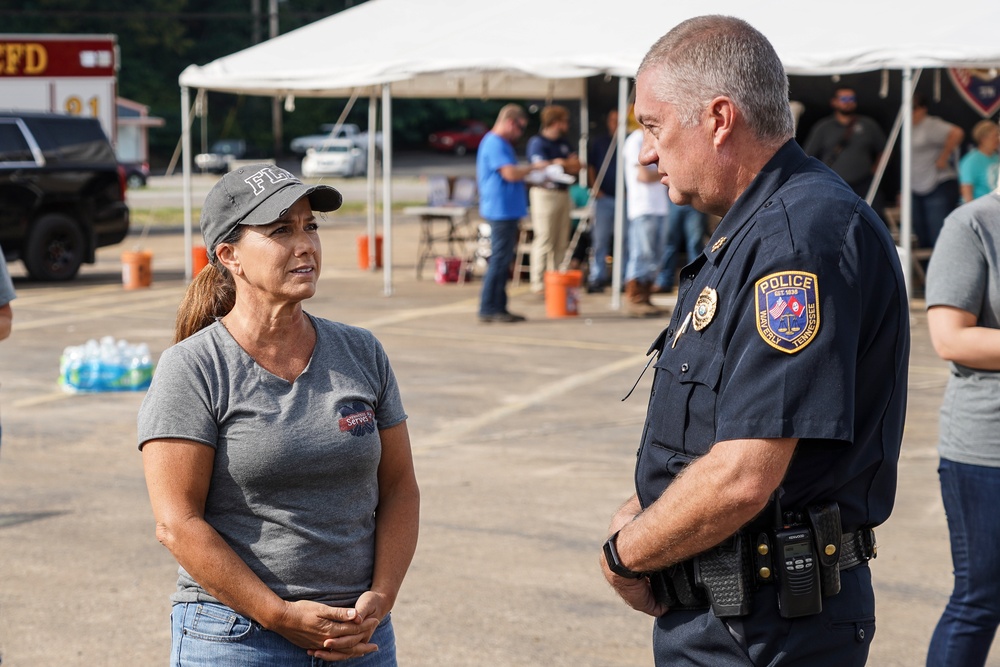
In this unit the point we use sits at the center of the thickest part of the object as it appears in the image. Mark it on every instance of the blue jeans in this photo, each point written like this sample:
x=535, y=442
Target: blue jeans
x=503, y=241
x=602, y=240
x=930, y=210
x=212, y=635
x=969, y=622
x=644, y=251
x=685, y=230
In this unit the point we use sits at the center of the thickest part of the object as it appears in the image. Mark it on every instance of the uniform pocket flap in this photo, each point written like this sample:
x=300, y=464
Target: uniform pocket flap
x=696, y=362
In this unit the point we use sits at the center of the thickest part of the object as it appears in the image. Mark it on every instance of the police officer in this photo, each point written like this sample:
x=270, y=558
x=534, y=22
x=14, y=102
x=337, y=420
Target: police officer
x=780, y=385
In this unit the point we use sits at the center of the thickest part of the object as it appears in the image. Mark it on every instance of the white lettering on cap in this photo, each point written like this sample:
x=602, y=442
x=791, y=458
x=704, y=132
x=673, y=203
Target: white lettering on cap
x=256, y=181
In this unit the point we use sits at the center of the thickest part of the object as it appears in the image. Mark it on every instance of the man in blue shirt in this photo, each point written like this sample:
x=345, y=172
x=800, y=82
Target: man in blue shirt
x=502, y=203
x=776, y=415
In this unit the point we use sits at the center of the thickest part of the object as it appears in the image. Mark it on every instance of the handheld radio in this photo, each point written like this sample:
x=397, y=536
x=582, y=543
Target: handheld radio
x=797, y=568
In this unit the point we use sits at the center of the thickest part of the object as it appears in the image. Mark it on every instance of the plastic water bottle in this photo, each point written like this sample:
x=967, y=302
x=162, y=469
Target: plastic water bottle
x=111, y=369
x=89, y=376
x=140, y=367
x=105, y=365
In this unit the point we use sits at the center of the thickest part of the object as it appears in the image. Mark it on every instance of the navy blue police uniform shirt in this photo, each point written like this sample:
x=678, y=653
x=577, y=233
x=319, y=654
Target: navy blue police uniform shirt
x=541, y=148
x=596, y=153
x=809, y=339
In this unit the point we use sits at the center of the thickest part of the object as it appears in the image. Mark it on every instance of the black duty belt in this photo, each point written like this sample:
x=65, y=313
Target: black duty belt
x=856, y=548
x=724, y=577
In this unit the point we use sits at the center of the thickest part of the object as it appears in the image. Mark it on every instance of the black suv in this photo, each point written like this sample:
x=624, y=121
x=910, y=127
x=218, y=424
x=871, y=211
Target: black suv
x=62, y=193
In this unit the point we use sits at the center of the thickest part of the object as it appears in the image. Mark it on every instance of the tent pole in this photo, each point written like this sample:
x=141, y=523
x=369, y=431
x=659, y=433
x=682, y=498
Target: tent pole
x=180, y=140
x=372, y=128
x=884, y=158
x=203, y=98
x=906, y=194
x=584, y=134
x=387, y=187
x=619, y=246
x=186, y=180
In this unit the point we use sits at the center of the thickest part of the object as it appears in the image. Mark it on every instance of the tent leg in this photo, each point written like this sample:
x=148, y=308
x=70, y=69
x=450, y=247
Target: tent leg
x=619, y=245
x=906, y=187
x=186, y=180
x=387, y=187
x=372, y=147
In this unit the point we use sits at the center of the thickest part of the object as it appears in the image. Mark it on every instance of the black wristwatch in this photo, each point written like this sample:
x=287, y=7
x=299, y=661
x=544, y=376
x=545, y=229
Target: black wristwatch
x=614, y=562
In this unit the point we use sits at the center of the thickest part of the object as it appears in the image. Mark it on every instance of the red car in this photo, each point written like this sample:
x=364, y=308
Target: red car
x=459, y=140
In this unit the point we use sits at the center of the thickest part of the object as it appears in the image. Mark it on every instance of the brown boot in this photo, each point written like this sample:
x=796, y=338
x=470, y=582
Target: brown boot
x=645, y=291
x=652, y=308
x=635, y=300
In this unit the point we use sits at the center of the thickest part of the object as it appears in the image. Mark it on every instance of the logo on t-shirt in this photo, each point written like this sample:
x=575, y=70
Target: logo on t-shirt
x=357, y=419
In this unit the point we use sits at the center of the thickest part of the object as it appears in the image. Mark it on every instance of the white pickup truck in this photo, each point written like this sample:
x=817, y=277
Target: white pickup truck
x=329, y=131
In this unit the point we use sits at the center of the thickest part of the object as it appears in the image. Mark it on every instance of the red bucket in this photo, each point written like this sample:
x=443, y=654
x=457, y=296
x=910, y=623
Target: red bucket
x=447, y=269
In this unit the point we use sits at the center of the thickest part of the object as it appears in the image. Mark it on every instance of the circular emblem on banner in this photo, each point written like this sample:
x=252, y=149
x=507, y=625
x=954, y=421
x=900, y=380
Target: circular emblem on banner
x=704, y=308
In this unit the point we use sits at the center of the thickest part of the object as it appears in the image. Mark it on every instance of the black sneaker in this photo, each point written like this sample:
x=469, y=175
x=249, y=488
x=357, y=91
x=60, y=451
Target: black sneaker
x=501, y=317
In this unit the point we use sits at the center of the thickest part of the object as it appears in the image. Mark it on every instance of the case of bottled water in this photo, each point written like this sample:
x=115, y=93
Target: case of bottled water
x=105, y=365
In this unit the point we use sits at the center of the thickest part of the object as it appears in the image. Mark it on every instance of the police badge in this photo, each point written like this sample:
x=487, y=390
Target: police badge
x=787, y=309
x=704, y=308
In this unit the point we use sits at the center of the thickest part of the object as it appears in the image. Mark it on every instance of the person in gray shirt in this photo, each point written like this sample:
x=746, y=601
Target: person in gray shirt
x=6, y=296
x=275, y=448
x=963, y=314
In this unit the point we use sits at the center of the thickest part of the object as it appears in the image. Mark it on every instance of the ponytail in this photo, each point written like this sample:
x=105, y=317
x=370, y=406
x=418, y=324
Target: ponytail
x=210, y=295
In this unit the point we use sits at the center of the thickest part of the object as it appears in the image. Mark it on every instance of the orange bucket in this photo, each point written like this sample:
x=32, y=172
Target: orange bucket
x=562, y=293
x=199, y=259
x=137, y=269
x=363, y=259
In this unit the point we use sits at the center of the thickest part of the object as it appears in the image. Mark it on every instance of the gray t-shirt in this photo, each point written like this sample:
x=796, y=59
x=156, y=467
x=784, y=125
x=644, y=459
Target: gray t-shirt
x=6, y=284
x=964, y=273
x=929, y=138
x=294, y=487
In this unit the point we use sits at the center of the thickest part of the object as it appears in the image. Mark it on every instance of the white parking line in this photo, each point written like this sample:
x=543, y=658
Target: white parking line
x=460, y=428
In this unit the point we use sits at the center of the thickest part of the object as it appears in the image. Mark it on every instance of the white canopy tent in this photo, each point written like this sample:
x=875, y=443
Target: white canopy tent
x=511, y=50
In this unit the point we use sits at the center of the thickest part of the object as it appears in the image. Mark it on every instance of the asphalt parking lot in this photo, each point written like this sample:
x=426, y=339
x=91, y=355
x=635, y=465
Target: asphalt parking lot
x=522, y=446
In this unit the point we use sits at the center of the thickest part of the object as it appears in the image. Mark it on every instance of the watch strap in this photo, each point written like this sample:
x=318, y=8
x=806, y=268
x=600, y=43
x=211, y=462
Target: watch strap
x=614, y=562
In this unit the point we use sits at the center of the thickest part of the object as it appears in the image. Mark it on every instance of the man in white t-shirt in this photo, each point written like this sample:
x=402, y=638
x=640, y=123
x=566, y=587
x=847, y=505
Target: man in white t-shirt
x=646, y=203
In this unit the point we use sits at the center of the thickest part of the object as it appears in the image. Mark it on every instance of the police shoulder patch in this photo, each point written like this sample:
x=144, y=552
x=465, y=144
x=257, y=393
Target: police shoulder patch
x=787, y=309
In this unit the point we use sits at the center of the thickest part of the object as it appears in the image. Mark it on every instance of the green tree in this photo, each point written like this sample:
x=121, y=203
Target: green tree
x=157, y=39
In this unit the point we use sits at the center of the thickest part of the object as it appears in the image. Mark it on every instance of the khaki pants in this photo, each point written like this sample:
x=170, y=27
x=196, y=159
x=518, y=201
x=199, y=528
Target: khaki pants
x=550, y=223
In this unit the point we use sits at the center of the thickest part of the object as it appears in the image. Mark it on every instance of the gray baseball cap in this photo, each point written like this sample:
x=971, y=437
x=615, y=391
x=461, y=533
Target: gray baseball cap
x=257, y=194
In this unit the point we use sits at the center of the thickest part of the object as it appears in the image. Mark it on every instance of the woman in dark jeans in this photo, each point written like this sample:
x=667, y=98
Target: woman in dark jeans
x=963, y=313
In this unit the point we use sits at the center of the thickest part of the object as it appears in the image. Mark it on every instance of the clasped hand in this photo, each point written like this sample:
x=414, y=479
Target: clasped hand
x=333, y=633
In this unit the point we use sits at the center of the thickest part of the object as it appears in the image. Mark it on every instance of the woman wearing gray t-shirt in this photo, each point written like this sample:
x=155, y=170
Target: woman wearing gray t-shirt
x=963, y=313
x=275, y=449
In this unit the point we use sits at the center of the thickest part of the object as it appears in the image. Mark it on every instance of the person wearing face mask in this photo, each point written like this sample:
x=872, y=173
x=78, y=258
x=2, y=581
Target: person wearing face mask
x=275, y=448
